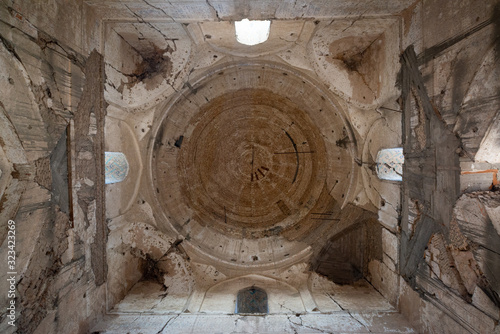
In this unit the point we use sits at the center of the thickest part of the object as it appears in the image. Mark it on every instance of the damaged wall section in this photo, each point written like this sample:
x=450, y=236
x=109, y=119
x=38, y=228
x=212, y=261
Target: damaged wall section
x=449, y=241
x=89, y=162
x=44, y=79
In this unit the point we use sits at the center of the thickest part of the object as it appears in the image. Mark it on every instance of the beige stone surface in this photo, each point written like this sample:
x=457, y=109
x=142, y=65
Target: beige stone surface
x=338, y=322
x=250, y=166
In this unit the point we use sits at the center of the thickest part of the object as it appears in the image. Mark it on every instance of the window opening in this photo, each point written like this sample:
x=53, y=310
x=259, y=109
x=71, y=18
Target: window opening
x=390, y=164
x=252, y=300
x=116, y=167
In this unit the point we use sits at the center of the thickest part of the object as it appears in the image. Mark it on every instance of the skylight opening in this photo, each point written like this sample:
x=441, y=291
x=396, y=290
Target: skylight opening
x=252, y=32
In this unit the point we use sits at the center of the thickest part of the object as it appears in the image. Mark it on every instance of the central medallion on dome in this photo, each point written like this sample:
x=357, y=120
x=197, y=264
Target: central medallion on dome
x=252, y=161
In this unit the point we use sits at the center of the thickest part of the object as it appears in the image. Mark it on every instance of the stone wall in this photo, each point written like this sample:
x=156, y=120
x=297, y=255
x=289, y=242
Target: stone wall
x=450, y=99
x=46, y=71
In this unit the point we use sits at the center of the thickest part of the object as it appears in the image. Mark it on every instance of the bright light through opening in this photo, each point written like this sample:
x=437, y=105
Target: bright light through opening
x=390, y=164
x=252, y=32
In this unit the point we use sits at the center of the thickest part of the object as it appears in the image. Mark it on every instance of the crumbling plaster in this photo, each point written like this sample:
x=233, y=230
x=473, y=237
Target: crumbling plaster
x=451, y=279
x=43, y=81
x=155, y=53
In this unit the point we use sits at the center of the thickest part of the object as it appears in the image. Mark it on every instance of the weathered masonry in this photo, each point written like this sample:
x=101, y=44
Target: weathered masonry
x=229, y=166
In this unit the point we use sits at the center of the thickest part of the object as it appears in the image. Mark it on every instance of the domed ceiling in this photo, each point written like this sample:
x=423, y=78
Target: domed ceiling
x=255, y=151
x=253, y=155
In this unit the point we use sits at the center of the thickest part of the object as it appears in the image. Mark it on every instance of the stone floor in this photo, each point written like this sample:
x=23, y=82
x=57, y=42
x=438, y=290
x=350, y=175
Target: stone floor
x=335, y=322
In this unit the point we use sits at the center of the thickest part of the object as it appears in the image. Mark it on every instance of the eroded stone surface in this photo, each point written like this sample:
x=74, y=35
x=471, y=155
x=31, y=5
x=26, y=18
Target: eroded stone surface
x=195, y=221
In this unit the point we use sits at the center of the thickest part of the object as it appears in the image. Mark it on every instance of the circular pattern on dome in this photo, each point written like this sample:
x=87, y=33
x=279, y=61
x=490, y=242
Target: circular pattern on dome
x=250, y=151
x=251, y=165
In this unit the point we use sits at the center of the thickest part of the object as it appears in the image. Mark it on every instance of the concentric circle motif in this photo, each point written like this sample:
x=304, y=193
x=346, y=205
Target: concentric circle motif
x=249, y=164
x=245, y=161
